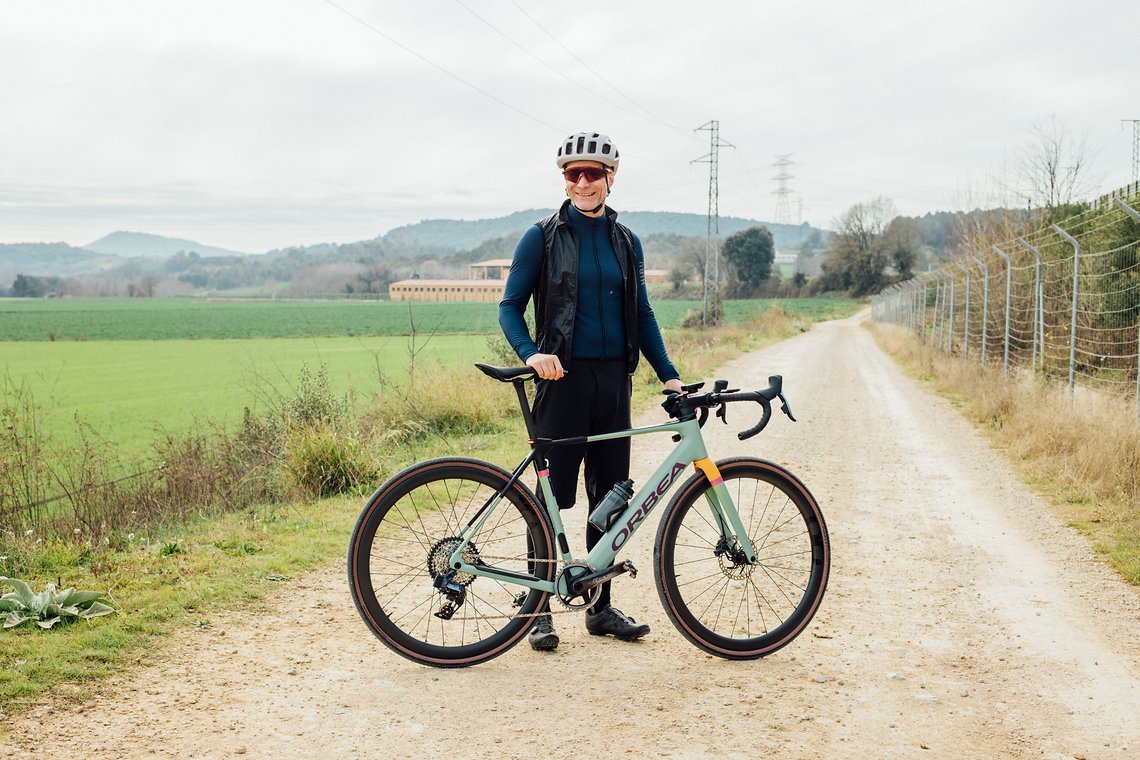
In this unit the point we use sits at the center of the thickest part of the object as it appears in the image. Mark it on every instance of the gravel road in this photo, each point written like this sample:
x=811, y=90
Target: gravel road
x=962, y=620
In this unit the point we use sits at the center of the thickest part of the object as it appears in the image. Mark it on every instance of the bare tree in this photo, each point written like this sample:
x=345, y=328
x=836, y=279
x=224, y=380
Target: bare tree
x=1053, y=166
x=857, y=256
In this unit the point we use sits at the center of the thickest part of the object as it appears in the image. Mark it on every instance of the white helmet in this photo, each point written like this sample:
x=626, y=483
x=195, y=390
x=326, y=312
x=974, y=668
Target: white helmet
x=588, y=146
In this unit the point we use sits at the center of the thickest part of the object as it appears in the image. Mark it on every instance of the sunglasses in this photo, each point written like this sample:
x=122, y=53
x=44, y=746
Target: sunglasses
x=591, y=173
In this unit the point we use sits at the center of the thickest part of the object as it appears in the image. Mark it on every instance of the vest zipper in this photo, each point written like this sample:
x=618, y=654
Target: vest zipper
x=601, y=310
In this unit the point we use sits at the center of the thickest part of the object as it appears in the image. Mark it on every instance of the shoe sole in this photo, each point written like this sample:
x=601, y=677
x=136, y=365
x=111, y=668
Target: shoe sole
x=544, y=645
x=629, y=637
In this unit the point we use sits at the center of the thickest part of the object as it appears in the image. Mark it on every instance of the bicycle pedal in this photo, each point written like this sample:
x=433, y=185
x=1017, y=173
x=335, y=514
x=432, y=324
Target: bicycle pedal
x=598, y=578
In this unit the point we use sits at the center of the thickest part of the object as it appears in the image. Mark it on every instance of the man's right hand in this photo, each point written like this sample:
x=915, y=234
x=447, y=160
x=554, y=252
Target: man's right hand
x=547, y=366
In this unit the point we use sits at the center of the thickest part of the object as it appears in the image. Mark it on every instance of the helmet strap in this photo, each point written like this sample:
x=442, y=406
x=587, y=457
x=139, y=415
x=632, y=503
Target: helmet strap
x=598, y=208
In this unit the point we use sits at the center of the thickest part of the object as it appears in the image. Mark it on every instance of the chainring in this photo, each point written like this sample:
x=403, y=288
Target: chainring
x=568, y=573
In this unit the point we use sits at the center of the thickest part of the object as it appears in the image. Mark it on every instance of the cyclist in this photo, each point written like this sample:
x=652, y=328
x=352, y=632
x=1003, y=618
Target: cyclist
x=586, y=274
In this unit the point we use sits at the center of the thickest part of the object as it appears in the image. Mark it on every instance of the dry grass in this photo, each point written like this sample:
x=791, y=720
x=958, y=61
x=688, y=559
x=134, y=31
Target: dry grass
x=1082, y=452
x=699, y=352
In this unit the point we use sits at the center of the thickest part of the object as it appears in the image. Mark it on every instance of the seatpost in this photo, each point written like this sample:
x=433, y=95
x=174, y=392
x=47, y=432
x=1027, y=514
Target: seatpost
x=528, y=418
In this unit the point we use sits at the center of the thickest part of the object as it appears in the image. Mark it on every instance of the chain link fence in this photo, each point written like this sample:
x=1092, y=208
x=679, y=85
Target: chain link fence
x=1062, y=302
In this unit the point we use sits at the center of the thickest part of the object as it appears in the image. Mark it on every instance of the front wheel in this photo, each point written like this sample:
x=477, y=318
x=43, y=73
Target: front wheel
x=400, y=579
x=713, y=595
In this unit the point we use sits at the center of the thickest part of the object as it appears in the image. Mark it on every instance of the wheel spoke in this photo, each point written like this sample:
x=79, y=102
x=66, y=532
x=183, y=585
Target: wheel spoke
x=720, y=602
x=401, y=547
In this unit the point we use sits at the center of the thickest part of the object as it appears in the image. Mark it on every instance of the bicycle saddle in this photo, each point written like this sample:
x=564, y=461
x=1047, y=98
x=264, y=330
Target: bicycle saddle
x=506, y=374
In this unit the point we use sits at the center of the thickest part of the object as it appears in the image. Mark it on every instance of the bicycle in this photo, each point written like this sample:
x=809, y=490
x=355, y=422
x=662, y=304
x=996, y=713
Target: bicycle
x=452, y=559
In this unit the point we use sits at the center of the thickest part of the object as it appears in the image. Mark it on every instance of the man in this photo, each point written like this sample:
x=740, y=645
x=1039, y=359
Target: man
x=586, y=274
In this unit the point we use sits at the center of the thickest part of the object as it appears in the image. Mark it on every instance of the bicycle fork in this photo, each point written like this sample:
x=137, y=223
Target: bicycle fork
x=727, y=519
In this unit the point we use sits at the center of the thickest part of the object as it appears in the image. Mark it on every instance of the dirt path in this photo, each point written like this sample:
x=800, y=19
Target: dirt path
x=962, y=620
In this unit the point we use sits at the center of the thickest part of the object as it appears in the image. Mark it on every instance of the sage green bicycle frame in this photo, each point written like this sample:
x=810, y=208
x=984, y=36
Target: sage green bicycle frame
x=690, y=449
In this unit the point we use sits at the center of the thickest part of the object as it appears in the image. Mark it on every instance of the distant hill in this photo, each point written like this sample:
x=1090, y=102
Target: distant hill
x=132, y=244
x=54, y=259
x=459, y=235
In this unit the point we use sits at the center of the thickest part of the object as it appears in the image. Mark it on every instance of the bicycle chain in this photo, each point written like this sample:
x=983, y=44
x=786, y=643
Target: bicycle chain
x=533, y=614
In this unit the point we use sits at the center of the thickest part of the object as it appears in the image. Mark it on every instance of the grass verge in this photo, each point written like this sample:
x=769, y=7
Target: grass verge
x=1082, y=454
x=168, y=576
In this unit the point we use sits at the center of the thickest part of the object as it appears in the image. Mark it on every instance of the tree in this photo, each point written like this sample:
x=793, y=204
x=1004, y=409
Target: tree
x=29, y=286
x=751, y=252
x=902, y=243
x=858, y=255
x=1053, y=166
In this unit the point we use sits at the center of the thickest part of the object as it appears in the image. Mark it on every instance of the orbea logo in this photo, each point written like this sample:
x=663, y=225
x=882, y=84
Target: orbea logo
x=646, y=507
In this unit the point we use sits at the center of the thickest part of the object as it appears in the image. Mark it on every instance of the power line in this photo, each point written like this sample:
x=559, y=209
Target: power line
x=590, y=69
x=783, y=211
x=560, y=73
x=712, y=272
x=1135, y=147
x=442, y=68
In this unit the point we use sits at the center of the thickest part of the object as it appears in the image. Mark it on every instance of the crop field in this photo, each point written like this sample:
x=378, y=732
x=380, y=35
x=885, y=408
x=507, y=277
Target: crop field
x=127, y=390
x=113, y=319
x=80, y=319
x=126, y=368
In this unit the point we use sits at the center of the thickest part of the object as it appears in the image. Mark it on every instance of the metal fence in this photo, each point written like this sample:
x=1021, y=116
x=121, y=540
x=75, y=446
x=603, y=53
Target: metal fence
x=1063, y=302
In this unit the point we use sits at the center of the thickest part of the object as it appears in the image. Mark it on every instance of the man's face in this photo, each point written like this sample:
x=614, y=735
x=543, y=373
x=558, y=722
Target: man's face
x=587, y=195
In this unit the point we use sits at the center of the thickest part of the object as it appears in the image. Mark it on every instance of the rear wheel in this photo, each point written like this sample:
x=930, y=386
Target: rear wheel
x=712, y=594
x=400, y=579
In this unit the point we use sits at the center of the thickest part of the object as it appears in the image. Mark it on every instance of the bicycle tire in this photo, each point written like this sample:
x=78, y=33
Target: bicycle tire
x=735, y=610
x=401, y=543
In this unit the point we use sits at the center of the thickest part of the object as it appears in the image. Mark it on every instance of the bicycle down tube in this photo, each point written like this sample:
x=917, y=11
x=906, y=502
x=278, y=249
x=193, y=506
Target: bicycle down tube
x=690, y=450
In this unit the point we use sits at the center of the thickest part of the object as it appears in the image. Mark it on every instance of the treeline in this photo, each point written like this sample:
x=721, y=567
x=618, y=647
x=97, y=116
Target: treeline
x=353, y=269
x=870, y=248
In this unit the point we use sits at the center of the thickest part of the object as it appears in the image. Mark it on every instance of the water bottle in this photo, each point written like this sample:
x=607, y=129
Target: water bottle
x=615, y=501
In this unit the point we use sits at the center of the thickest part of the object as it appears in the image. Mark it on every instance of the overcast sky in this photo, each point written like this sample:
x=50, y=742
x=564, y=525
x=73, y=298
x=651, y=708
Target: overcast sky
x=256, y=124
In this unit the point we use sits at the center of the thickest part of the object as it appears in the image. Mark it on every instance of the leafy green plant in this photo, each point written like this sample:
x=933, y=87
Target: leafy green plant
x=49, y=606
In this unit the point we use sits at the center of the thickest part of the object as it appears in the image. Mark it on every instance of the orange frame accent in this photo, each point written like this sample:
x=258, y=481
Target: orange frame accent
x=710, y=470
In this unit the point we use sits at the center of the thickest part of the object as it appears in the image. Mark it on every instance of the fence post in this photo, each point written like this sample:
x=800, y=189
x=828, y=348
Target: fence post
x=950, y=332
x=939, y=307
x=1135, y=215
x=966, y=326
x=1008, y=295
x=1076, y=286
x=1039, y=316
x=985, y=302
x=1127, y=209
x=922, y=309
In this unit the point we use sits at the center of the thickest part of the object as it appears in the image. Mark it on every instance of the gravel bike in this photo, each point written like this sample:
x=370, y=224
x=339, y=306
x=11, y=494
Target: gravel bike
x=453, y=558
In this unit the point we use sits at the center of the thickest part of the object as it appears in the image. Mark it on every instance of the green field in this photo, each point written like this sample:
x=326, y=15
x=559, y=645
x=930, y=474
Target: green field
x=126, y=390
x=130, y=367
x=86, y=319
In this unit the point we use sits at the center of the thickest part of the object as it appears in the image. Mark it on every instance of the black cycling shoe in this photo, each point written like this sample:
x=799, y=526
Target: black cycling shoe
x=542, y=637
x=616, y=623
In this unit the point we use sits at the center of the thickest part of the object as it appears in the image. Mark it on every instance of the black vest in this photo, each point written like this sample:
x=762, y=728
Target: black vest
x=556, y=293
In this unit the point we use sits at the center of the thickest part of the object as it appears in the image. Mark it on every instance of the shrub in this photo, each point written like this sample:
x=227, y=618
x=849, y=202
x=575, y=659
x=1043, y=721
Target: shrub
x=321, y=460
x=440, y=402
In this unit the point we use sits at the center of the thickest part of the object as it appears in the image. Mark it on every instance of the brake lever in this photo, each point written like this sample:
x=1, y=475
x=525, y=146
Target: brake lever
x=784, y=406
x=722, y=412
